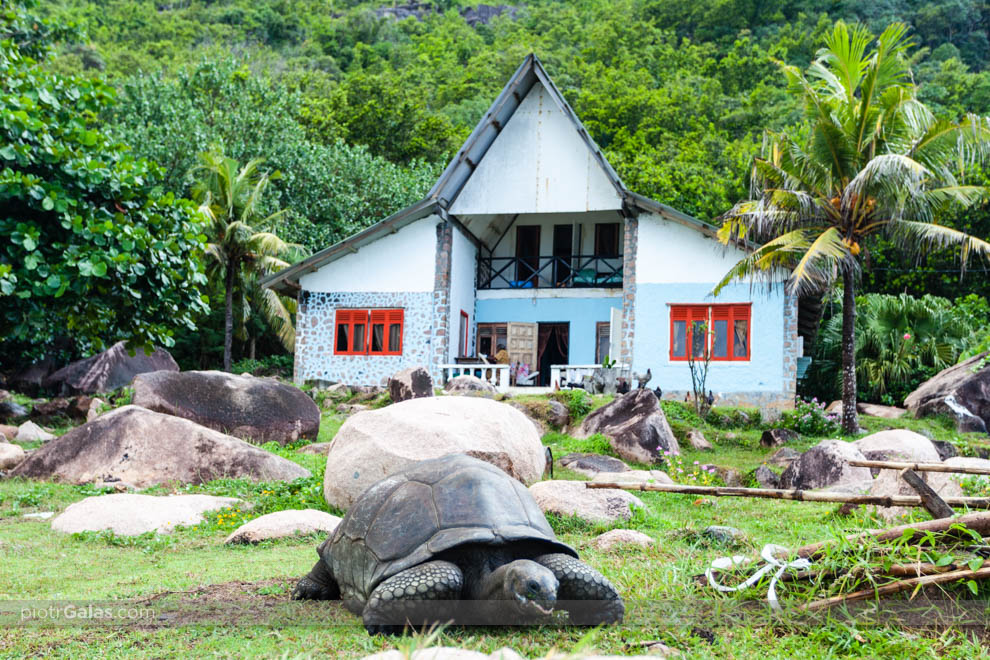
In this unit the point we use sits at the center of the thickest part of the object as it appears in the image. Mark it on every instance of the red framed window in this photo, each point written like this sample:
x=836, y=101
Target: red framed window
x=368, y=332
x=728, y=336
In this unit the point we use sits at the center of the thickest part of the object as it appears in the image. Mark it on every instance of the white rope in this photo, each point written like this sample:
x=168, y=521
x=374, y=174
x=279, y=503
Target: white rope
x=769, y=555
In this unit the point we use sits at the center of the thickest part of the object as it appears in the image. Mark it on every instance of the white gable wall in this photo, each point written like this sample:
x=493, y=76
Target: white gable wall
x=670, y=252
x=403, y=261
x=537, y=164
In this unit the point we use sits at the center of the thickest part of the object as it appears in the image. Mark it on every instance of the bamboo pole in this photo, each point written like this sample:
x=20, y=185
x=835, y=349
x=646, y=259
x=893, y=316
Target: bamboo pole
x=932, y=501
x=903, y=585
x=796, y=495
x=920, y=467
x=978, y=522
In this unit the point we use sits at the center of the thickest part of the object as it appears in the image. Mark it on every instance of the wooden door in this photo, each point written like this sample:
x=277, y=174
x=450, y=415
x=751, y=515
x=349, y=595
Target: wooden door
x=522, y=346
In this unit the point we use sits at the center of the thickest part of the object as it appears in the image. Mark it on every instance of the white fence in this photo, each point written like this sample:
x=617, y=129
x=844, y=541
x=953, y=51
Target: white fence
x=496, y=374
x=568, y=375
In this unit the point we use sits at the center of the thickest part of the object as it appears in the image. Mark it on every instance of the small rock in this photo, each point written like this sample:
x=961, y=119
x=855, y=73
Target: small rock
x=41, y=515
x=317, y=448
x=633, y=477
x=729, y=476
x=783, y=457
x=413, y=383
x=469, y=385
x=72, y=408
x=766, y=477
x=777, y=437
x=281, y=524
x=128, y=514
x=95, y=406
x=351, y=408
x=591, y=464
x=10, y=455
x=826, y=465
x=7, y=432
x=945, y=449
x=117, y=485
x=445, y=653
x=338, y=391
x=618, y=537
x=11, y=410
x=31, y=432
x=572, y=498
x=724, y=534
x=698, y=442
x=876, y=410
x=5, y=395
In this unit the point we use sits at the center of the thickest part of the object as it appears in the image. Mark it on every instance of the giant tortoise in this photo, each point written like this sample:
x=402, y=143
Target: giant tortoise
x=454, y=538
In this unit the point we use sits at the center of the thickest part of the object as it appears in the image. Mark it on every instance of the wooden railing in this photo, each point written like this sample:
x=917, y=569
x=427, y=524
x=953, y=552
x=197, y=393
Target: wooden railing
x=549, y=272
x=495, y=374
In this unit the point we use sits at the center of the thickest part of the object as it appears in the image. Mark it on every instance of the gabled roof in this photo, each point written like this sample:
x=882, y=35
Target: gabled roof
x=459, y=171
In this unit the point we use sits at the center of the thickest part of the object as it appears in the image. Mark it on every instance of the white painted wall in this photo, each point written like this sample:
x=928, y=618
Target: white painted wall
x=403, y=261
x=463, y=269
x=668, y=252
x=537, y=164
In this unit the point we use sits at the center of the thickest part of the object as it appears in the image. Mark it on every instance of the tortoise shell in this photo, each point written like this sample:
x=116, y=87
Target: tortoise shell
x=432, y=506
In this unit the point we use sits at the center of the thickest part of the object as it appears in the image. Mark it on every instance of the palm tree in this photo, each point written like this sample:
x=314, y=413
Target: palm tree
x=872, y=160
x=230, y=199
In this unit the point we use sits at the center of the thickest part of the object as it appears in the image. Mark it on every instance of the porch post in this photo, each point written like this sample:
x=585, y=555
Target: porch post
x=441, y=299
x=629, y=247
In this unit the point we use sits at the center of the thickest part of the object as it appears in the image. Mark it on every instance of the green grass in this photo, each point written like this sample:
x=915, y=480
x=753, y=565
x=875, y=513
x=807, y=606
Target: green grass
x=41, y=564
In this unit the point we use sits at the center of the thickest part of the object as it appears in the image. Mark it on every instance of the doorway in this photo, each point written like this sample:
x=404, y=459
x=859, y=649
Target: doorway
x=527, y=256
x=563, y=245
x=552, y=348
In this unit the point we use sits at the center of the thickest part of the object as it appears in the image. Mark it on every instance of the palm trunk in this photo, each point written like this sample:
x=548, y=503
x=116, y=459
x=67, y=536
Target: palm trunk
x=228, y=322
x=850, y=420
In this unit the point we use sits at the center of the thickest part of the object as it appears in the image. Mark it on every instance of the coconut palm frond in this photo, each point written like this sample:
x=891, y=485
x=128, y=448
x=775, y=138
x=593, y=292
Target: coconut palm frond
x=818, y=262
x=277, y=312
x=927, y=236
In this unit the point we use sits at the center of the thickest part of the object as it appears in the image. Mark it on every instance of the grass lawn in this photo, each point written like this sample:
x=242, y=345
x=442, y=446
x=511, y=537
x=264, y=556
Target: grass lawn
x=664, y=600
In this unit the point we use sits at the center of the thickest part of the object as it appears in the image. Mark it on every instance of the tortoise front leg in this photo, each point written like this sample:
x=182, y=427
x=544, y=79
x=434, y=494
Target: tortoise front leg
x=318, y=584
x=423, y=594
x=587, y=595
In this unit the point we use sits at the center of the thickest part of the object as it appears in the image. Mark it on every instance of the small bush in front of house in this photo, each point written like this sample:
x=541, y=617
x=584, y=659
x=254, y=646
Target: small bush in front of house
x=272, y=365
x=737, y=418
x=809, y=418
x=578, y=402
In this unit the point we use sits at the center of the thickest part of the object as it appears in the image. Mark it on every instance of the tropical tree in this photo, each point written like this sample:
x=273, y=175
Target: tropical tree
x=231, y=199
x=872, y=161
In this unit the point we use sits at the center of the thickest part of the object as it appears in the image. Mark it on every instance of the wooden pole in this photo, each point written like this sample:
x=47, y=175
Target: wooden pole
x=796, y=495
x=931, y=500
x=903, y=585
x=920, y=467
x=978, y=522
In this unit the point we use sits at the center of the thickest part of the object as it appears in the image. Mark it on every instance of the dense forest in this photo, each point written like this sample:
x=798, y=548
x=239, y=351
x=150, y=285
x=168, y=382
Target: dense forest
x=355, y=107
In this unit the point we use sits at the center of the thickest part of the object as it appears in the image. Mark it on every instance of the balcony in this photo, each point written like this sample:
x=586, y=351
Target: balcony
x=550, y=272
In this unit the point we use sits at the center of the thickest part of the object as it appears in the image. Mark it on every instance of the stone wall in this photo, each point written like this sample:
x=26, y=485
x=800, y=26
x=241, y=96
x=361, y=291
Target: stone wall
x=441, y=300
x=629, y=248
x=315, y=359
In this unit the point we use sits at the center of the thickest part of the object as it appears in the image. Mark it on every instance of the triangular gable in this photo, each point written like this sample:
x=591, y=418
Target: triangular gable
x=538, y=156
x=539, y=163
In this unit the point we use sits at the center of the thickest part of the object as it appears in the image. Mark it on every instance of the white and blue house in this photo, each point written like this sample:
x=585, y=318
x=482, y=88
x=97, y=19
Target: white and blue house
x=529, y=240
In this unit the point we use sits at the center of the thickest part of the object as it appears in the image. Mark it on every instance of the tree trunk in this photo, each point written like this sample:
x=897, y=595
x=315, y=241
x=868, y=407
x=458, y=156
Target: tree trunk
x=228, y=322
x=251, y=349
x=850, y=420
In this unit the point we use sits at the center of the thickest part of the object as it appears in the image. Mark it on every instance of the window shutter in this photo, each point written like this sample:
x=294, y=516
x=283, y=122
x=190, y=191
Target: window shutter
x=720, y=312
x=680, y=312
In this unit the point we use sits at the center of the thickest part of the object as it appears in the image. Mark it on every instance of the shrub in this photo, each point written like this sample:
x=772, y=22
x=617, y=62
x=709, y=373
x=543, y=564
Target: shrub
x=809, y=418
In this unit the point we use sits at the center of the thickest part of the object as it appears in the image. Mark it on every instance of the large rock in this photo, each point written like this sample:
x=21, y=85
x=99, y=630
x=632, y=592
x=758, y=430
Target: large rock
x=374, y=444
x=897, y=445
x=31, y=432
x=258, y=409
x=71, y=408
x=107, y=371
x=10, y=455
x=958, y=391
x=765, y=477
x=471, y=385
x=572, y=498
x=282, y=524
x=826, y=465
x=10, y=410
x=871, y=409
x=7, y=432
x=591, y=464
x=414, y=383
x=29, y=379
x=547, y=415
x=127, y=514
x=635, y=426
x=145, y=448
x=889, y=483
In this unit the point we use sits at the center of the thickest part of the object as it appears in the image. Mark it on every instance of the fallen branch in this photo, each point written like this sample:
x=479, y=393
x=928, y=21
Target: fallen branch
x=932, y=501
x=903, y=585
x=977, y=522
x=920, y=467
x=796, y=495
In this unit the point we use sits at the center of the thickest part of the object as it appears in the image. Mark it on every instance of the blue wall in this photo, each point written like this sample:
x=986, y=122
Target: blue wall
x=651, y=348
x=582, y=313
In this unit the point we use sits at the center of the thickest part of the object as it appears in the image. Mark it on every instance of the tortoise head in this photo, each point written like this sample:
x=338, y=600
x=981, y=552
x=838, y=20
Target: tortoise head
x=531, y=587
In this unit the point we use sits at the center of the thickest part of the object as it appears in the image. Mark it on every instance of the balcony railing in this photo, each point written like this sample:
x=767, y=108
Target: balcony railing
x=549, y=272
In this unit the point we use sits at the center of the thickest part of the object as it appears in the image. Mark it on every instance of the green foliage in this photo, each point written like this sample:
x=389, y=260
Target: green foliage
x=92, y=247
x=745, y=418
x=272, y=365
x=809, y=418
x=901, y=341
x=578, y=402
